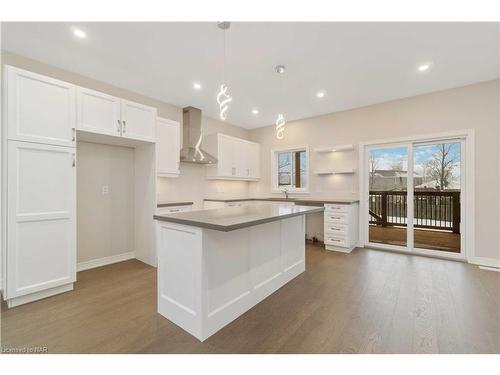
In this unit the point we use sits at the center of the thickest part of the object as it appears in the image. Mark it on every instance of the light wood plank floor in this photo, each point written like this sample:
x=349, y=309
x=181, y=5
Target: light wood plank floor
x=366, y=302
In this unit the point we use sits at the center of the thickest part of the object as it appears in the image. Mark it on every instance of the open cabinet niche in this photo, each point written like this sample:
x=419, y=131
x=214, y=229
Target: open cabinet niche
x=116, y=198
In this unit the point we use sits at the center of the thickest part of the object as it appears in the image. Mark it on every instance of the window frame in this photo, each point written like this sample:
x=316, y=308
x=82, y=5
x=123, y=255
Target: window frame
x=275, y=188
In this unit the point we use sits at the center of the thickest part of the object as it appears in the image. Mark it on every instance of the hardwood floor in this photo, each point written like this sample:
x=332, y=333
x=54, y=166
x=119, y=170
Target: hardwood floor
x=365, y=302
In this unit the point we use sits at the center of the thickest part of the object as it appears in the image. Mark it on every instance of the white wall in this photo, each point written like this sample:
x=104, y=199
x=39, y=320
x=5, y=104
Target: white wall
x=475, y=106
x=105, y=224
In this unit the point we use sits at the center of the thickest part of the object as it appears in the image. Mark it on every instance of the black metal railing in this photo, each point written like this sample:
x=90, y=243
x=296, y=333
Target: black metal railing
x=432, y=209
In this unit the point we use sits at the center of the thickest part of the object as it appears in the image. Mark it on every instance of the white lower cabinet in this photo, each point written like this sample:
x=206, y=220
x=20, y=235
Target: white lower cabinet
x=173, y=209
x=41, y=224
x=341, y=226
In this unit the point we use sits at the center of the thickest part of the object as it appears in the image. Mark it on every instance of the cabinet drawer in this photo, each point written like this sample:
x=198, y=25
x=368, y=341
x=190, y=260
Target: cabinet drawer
x=172, y=209
x=333, y=208
x=335, y=229
x=335, y=217
x=336, y=241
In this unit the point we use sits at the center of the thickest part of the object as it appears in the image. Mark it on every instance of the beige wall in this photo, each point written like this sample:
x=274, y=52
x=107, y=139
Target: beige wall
x=105, y=222
x=97, y=214
x=475, y=106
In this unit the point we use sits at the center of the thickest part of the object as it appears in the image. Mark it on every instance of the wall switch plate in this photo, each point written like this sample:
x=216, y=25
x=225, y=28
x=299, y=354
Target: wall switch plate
x=104, y=189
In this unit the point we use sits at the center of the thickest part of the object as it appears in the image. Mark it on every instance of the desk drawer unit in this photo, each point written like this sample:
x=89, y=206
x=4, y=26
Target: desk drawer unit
x=341, y=226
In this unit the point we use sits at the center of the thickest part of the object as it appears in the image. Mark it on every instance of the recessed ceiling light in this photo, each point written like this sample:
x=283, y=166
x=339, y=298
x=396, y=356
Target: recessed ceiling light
x=255, y=111
x=424, y=67
x=320, y=94
x=79, y=33
x=196, y=86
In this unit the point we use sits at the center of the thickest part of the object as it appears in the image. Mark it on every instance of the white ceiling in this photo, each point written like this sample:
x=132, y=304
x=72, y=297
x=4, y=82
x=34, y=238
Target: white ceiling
x=356, y=64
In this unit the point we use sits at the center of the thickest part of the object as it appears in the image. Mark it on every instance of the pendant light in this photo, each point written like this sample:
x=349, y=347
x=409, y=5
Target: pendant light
x=223, y=97
x=280, y=119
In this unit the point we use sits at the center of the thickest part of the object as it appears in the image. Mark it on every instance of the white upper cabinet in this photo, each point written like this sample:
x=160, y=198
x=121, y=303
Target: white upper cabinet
x=138, y=121
x=98, y=112
x=237, y=159
x=101, y=113
x=39, y=109
x=167, y=147
x=41, y=217
x=254, y=160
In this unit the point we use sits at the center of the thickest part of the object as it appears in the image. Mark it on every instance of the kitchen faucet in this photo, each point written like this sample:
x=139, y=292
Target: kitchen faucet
x=286, y=193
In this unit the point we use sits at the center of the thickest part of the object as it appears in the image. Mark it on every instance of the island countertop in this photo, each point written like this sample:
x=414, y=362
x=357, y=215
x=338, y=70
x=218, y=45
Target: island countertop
x=232, y=218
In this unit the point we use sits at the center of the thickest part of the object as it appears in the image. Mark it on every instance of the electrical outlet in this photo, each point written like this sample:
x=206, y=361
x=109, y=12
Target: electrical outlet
x=105, y=189
x=220, y=189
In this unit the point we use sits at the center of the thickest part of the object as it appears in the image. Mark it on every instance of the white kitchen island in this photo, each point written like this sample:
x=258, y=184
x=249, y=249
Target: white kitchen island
x=214, y=265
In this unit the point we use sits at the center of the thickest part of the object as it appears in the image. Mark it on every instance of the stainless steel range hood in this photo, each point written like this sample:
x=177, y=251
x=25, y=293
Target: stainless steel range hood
x=192, y=137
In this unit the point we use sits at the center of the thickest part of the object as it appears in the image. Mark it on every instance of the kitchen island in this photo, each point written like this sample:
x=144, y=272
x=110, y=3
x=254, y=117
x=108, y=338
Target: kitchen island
x=214, y=265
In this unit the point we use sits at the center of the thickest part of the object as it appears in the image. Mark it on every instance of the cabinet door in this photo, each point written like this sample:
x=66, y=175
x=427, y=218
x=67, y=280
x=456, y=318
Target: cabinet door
x=240, y=158
x=41, y=234
x=138, y=121
x=97, y=112
x=167, y=147
x=40, y=109
x=225, y=157
x=254, y=159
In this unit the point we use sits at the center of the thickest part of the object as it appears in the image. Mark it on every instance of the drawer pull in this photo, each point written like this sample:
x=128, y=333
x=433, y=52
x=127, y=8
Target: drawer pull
x=177, y=210
x=335, y=240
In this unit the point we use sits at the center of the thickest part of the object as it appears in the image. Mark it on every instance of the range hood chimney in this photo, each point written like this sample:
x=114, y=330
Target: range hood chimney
x=192, y=137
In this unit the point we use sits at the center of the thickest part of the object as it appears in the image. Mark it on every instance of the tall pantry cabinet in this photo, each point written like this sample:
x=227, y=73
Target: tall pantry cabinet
x=38, y=186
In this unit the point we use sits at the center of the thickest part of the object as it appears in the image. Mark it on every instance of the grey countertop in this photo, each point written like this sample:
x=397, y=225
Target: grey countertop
x=231, y=218
x=173, y=203
x=299, y=201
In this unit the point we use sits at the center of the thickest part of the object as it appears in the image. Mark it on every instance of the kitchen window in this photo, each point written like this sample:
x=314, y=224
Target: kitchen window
x=290, y=170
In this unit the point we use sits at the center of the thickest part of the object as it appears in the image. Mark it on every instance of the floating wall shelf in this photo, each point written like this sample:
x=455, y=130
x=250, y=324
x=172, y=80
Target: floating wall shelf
x=340, y=171
x=335, y=148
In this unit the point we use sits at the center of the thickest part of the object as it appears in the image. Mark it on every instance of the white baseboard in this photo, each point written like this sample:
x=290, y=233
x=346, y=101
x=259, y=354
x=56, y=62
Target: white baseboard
x=82, y=266
x=13, y=302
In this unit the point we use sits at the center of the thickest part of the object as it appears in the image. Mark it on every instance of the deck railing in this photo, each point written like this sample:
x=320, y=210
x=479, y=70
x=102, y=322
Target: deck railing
x=432, y=209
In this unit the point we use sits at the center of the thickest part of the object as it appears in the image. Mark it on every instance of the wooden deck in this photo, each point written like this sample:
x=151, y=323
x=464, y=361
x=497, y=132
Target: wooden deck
x=424, y=238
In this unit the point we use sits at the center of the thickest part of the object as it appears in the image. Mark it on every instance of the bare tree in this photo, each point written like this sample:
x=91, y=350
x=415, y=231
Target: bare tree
x=440, y=166
x=374, y=164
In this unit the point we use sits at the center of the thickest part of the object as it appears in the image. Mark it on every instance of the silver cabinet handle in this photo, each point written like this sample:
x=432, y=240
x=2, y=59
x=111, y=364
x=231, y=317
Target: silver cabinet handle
x=177, y=210
x=74, y=135
x=124, y=126
x=119, y=126
x=74, y=160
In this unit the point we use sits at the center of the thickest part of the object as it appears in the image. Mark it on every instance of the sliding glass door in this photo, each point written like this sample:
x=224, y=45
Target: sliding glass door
x=388, y=208
x=437, y=191
x=414, y=194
